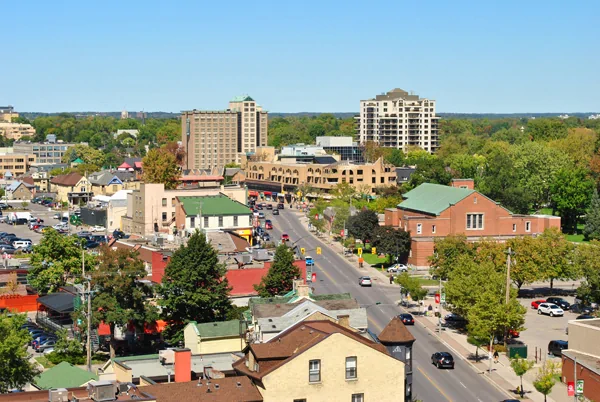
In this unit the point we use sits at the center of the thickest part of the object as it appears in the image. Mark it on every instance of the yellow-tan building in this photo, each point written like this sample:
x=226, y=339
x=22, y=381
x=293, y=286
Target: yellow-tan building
x=215, y=337
x=213, y=139
x=17, y=164
x=265, y=171
x=321, y=361
x=107, y=182
x=72, y=188
x=7, y=113
x=14, y=131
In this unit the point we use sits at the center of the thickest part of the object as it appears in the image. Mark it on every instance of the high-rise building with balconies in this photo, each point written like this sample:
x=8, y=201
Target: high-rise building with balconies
x=399, y=119
x=214, y=138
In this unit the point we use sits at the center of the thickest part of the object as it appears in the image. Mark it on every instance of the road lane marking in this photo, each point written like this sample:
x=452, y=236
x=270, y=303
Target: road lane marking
x=435, y=385
x=375, y=324
x=464, y=386
x=328, y=276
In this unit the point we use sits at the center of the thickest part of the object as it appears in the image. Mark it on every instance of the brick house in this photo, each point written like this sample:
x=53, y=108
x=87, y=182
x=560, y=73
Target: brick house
x=433, y=211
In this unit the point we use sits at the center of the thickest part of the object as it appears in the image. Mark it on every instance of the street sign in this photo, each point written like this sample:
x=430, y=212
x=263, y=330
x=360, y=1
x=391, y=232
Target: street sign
x=571, y=388
x=318, y=250
x=342, y=232
x=443, y=298
x=314, y=276
x=579, y=387
x=373, y=250
x=437, y=298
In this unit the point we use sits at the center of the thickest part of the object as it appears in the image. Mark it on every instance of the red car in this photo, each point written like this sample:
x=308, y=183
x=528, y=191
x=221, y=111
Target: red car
x=268, y=225
x=285, y=237
x=536, y=303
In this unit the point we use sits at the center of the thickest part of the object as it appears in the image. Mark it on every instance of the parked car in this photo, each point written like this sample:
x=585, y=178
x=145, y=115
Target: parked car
x=280, y=206
x=551, y=309
x=21, y=221
x=261, y=215
x=90, y=244
x=455, y=321
x=99, y=238
x=579, y=308
x=97, y=228
x=536, y=303
x=285, y=237
x=269, y=206
x=397, y=268
x=49, y=344
x=5, y=248
x=275, y=212
x=57, y=216
x=555, y=348
x=585, y=317
x=559, y=301
x=60, y=226
x=266, y=237
x=84, y=233
x=365, y=281
x=4, y=205
x=41, y=340
x=442, y=359
x=259, y=207
x=268, y=224
x=21, y=243
x=407, y=319
x=27, y=250
x=119, y=234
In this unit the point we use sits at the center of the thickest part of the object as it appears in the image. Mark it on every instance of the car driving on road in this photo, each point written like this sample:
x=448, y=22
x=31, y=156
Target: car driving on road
x=442, y=359
x=365, y=281
x=407, y=319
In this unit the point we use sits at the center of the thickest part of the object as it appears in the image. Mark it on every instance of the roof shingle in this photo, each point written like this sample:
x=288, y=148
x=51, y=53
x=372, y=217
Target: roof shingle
x=433, y=199
x=63, y=375
x=395, y=332
x=69, y=179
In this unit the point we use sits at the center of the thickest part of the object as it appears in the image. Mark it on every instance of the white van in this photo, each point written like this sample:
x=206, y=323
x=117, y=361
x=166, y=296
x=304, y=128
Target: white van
x=21, y=244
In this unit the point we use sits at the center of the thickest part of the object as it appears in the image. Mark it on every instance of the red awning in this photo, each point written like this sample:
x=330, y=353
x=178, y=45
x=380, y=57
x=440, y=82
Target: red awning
x=267, y=193
x=103, y=329
x=253, y=193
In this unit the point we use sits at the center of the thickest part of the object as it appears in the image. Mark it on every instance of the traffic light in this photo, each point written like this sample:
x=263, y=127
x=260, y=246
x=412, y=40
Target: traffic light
x=302, y=251
x=373, y=250
x=319, y=250
x=359, y=251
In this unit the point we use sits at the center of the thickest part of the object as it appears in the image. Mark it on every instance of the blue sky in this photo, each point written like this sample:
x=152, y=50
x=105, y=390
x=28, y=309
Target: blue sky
x=316, y=56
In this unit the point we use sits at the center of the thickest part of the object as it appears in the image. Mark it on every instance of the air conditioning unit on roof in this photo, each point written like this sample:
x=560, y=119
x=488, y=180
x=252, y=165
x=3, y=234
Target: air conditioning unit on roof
x=58, y=395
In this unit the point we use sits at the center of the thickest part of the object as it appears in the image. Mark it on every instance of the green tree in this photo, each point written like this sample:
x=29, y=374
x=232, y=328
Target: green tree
x=16, y=370
x=395, y=157
x=160, y=166
x=431, y=170
x=88, y=154
x=362, y=224
x=57, y=261
x=525, y=268
x=546, y=378
x=121, y=297
x=412, y=286
x=591, y=231
x=521, y=366
x=194, y=287
x=446, y=252
x=587, y=260
x=392, y=241
x=281, y=274
x=546, y=129
x=344, y=192
x=66, y=350
x=571, y=191
x=556, y=257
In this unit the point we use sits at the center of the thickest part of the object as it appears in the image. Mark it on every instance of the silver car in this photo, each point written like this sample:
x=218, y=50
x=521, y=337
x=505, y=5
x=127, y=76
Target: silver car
x=550, y=309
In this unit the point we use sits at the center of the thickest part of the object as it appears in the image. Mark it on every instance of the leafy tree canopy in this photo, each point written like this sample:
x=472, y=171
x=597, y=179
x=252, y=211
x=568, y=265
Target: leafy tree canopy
x=281, y=274
x=16, y=370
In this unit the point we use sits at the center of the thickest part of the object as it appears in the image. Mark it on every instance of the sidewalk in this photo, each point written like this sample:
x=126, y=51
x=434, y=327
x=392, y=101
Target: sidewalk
x=502, y=375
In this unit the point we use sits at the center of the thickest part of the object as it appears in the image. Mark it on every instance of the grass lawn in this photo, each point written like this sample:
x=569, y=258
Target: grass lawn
x=428, y=282
x=44, y=362
x=373, y=259
x=578, y=238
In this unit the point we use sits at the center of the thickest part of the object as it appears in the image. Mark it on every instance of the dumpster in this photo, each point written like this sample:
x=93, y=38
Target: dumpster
x=514, y=350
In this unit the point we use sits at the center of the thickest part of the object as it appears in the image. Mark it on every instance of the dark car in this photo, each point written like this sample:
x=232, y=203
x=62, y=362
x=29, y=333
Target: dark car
x=579, y=308
x=269, y=206
x=280, y=206
x=118, y=234
x=266, y=237
x=555, y=348
x=90, y=244
x=21, y=221
x=407, y=319
x=455, y=321
x=585, y=317
x=98, y=238
x=442, y=359
x=559, y=301
x=275, y=212
x=259, y=207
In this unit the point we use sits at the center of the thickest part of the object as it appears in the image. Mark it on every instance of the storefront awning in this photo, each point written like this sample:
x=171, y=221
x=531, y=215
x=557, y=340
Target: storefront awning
x=267, y=193
x=253, y=193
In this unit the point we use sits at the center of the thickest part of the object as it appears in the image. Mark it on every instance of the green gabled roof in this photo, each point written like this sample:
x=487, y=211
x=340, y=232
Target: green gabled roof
x=63, y=375
x=78, y=160
x=433, y=199
x=213, y=205
x=220, y=329
x=242, y=98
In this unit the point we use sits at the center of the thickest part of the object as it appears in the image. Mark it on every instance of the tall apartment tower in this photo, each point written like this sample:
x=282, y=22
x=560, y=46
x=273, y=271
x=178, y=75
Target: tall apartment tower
x=214, y=138
x=398, y=119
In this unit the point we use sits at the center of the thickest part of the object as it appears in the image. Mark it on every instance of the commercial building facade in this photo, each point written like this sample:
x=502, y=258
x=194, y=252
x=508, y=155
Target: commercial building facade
x=16, y=163
x=46, y=153
x=152, y=208
x=214, y=138
x=323, y=173
x=433, y=211
x=15, y=131
x=584, y=353
x=72, y=188
x=398, y=119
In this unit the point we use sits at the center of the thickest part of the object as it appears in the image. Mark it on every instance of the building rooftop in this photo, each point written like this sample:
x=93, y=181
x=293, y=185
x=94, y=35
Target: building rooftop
x=212, y=205
x=433, y=199
x=64, y=375
x=279, y=309
x=229, y=389
x=242, y=98
x=220, y=329
x=395, y=332
x=69, y=179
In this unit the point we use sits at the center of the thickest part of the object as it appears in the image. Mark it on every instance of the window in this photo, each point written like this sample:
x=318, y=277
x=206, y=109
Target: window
x=299, y=400
x=514, y=227
x=220, y=221
x=474, y=200
x=314, y=371
x=193, y=222
x=351, y=368
x=235, y=221
x=528, y=226
x=419, y=228
x=164, y=216
x=206, y=221
x=475, y=221
x=432, y=228
x=172, y=202
x=164, y=202
x=358, y=397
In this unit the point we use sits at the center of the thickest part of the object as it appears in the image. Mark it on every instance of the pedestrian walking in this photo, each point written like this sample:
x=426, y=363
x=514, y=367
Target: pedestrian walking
x=496, y=356
x=391, y=279
x=429, y=310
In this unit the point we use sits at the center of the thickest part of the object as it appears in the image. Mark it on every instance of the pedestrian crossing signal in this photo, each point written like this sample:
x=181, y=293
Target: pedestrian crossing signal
x=319, y=250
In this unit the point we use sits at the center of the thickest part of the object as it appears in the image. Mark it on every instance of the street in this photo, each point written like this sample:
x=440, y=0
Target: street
x=335, y=274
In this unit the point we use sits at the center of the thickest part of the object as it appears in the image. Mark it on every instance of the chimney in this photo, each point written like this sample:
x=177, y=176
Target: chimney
x=183, y=365
x=303, y=290
x=344, y=320
x=296, y=283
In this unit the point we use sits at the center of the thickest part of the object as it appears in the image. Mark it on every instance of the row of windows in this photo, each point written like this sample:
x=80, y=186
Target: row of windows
x=314, y=369
x=474, y=222
x=206, y=221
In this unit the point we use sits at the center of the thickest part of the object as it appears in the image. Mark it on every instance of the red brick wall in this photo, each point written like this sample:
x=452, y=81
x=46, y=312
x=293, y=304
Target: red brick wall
x=591, y=380
x=420, y=252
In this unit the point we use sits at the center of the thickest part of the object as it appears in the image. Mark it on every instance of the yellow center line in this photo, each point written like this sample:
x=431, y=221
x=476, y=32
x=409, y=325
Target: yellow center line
x=327, y=275
x=435, y=385
x=375, y=324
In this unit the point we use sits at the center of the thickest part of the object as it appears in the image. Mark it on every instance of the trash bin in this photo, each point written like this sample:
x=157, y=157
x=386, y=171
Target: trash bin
x=514, y=350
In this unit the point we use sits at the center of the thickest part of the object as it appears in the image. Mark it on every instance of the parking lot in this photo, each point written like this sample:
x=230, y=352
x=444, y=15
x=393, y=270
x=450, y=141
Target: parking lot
x=541, y=329
x=23, y=231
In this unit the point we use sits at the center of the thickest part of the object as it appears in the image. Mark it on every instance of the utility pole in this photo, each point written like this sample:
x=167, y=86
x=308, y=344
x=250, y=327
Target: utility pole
x=575, y=378
x=508, y=262
x=89, y=327
x=440, y=309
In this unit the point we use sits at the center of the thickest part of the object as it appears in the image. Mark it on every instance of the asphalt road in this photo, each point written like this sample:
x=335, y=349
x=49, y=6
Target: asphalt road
x=335, y=274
